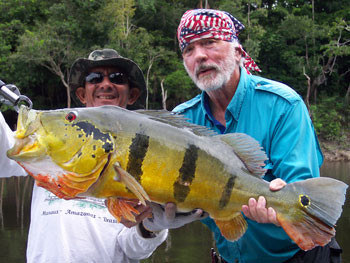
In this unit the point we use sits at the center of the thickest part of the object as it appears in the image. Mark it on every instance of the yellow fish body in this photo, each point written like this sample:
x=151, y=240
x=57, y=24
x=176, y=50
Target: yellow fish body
x=108, y=152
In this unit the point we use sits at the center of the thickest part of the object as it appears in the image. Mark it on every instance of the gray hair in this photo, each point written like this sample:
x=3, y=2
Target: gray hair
x=235, y=44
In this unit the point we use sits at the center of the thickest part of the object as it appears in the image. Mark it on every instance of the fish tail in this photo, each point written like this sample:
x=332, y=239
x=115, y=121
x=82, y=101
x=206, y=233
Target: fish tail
x=320, y=202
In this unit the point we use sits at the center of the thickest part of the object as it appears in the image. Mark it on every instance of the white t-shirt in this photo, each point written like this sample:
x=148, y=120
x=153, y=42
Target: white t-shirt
x=8, y=167
x=79, y=231
x=82, y=231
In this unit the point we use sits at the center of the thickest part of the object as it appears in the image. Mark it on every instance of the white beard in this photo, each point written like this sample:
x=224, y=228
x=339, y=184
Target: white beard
x=218, y=78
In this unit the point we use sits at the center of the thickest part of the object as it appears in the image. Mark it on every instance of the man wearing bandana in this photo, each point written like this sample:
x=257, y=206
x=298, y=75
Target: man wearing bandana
x=234, y=100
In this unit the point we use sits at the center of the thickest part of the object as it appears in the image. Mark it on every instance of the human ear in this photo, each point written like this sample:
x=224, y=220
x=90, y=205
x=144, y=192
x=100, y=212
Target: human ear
x=134, y=94
x=238, y=52
x=80, y=93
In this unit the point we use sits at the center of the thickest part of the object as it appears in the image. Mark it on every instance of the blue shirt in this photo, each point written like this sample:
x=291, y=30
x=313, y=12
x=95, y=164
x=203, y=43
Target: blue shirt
x=276, y=116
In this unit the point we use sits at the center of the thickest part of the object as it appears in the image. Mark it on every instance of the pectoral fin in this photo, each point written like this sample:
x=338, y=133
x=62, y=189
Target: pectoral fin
x=232, y=229
x=130, y=182
x=119, y=208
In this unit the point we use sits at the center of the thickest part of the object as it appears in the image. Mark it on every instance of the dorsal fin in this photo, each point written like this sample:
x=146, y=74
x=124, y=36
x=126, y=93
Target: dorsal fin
x=177, y=120
x=248, y=150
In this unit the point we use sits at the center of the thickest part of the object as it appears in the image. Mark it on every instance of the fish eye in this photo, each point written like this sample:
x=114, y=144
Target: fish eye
x=71, y=116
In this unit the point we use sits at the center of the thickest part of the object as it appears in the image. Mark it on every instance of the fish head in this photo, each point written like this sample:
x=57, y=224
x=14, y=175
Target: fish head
x=63, y=150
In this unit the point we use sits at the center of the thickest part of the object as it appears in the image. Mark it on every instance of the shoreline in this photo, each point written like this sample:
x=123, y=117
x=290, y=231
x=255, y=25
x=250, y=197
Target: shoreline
x=333, y=152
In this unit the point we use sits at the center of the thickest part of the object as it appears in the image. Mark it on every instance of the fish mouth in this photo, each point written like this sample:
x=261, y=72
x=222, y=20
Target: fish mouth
x=26, y=144
x=25, y=149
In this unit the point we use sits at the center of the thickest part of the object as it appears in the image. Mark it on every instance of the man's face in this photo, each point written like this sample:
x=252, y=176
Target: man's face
x=107, y=86
x=210, y=63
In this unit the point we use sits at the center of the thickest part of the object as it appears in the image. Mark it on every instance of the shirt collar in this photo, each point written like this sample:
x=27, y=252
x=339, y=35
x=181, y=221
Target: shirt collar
x=207, y=110
x=235, y=105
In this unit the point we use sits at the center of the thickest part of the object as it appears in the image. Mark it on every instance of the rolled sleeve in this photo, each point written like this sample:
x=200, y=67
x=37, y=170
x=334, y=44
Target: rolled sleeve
x=137, y=247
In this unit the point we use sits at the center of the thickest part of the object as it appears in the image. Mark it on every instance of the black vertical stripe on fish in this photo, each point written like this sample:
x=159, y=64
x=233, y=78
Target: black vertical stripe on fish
x=186, y=173
x=226, y=194
x=137, y=153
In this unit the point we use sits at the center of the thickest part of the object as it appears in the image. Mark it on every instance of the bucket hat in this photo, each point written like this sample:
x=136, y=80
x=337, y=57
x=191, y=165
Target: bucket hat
x=107, y=57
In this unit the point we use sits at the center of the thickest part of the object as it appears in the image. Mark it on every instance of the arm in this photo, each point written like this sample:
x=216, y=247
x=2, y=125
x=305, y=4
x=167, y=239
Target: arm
x=144, y=236
x=139, y=239
x=167, y=217
x=8, y=167
x=134, y=240
x=154, y=218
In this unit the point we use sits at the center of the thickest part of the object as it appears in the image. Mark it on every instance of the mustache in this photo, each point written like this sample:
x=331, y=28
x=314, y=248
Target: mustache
x=204, y=67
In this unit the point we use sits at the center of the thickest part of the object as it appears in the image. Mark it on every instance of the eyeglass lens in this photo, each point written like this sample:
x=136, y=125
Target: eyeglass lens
x=97, y=77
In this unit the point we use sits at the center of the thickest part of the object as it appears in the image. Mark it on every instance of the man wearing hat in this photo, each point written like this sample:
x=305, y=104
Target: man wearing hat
x=125, y=87
x=234, y=100
x=83, y=230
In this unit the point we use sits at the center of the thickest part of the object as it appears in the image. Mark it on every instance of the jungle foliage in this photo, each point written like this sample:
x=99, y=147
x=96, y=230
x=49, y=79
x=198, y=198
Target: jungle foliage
x=304, y=44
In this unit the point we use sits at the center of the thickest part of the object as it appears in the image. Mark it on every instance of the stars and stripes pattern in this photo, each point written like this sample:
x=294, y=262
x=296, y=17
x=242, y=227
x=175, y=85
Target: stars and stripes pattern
x=207, y=23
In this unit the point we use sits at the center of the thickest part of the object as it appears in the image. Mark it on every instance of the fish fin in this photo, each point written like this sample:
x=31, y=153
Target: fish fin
x=248, y=150
x=131, y=183
x=308, y=233
x=52, y=186
x=177, y=120
x=56, y=186
x=232, y=229
x=325, y=204
x=119, y=208
x=321, y=200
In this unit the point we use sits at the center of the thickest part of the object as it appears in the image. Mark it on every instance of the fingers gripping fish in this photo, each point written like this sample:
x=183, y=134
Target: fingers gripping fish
x=109, y=152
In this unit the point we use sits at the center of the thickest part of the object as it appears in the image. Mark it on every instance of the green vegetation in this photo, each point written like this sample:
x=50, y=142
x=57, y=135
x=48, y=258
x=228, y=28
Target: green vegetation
x=304, y=44
x=331, y=119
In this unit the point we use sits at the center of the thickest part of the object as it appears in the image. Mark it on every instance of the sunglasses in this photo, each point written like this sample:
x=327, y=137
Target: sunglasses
x=116, y=78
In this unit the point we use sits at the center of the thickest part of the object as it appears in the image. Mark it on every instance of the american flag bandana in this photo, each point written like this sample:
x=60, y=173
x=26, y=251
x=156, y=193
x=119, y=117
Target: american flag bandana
x=208, y=23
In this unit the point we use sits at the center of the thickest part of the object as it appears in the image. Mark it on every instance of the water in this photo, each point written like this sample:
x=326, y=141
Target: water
x=15, y=196
x=190, y=243
x=341, y=171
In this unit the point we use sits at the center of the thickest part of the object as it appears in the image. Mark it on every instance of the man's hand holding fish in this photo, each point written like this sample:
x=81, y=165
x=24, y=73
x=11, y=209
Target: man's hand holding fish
x=257, y=211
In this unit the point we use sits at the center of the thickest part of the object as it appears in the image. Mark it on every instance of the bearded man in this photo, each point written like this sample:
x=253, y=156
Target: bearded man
x=234, y=100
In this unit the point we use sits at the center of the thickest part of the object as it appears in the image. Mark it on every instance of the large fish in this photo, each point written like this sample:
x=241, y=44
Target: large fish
x=108, y=152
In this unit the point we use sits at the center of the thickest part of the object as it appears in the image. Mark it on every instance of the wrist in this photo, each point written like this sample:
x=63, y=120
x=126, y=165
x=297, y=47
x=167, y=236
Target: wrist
x=146, y=233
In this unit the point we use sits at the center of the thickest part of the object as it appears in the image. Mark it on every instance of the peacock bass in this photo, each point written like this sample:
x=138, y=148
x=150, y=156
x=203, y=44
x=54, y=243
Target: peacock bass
x=109, y=152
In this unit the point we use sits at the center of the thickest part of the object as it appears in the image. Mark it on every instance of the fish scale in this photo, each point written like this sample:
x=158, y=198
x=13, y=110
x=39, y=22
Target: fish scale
x=109, y=152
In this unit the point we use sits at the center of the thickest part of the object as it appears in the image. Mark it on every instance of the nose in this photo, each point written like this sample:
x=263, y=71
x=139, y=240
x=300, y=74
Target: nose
x=199, y=53
x=106, y=83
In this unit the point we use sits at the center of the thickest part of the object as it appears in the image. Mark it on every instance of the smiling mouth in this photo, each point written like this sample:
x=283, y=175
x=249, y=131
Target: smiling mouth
x=106, y=97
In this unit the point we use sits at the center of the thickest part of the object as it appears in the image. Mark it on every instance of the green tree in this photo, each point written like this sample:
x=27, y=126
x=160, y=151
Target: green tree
x=116, y=16
x=55, y=43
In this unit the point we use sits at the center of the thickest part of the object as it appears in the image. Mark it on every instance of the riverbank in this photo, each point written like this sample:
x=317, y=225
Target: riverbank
x=335, y=152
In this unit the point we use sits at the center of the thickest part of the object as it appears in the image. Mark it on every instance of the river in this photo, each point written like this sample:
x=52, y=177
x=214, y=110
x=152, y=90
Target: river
x=189, y=244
